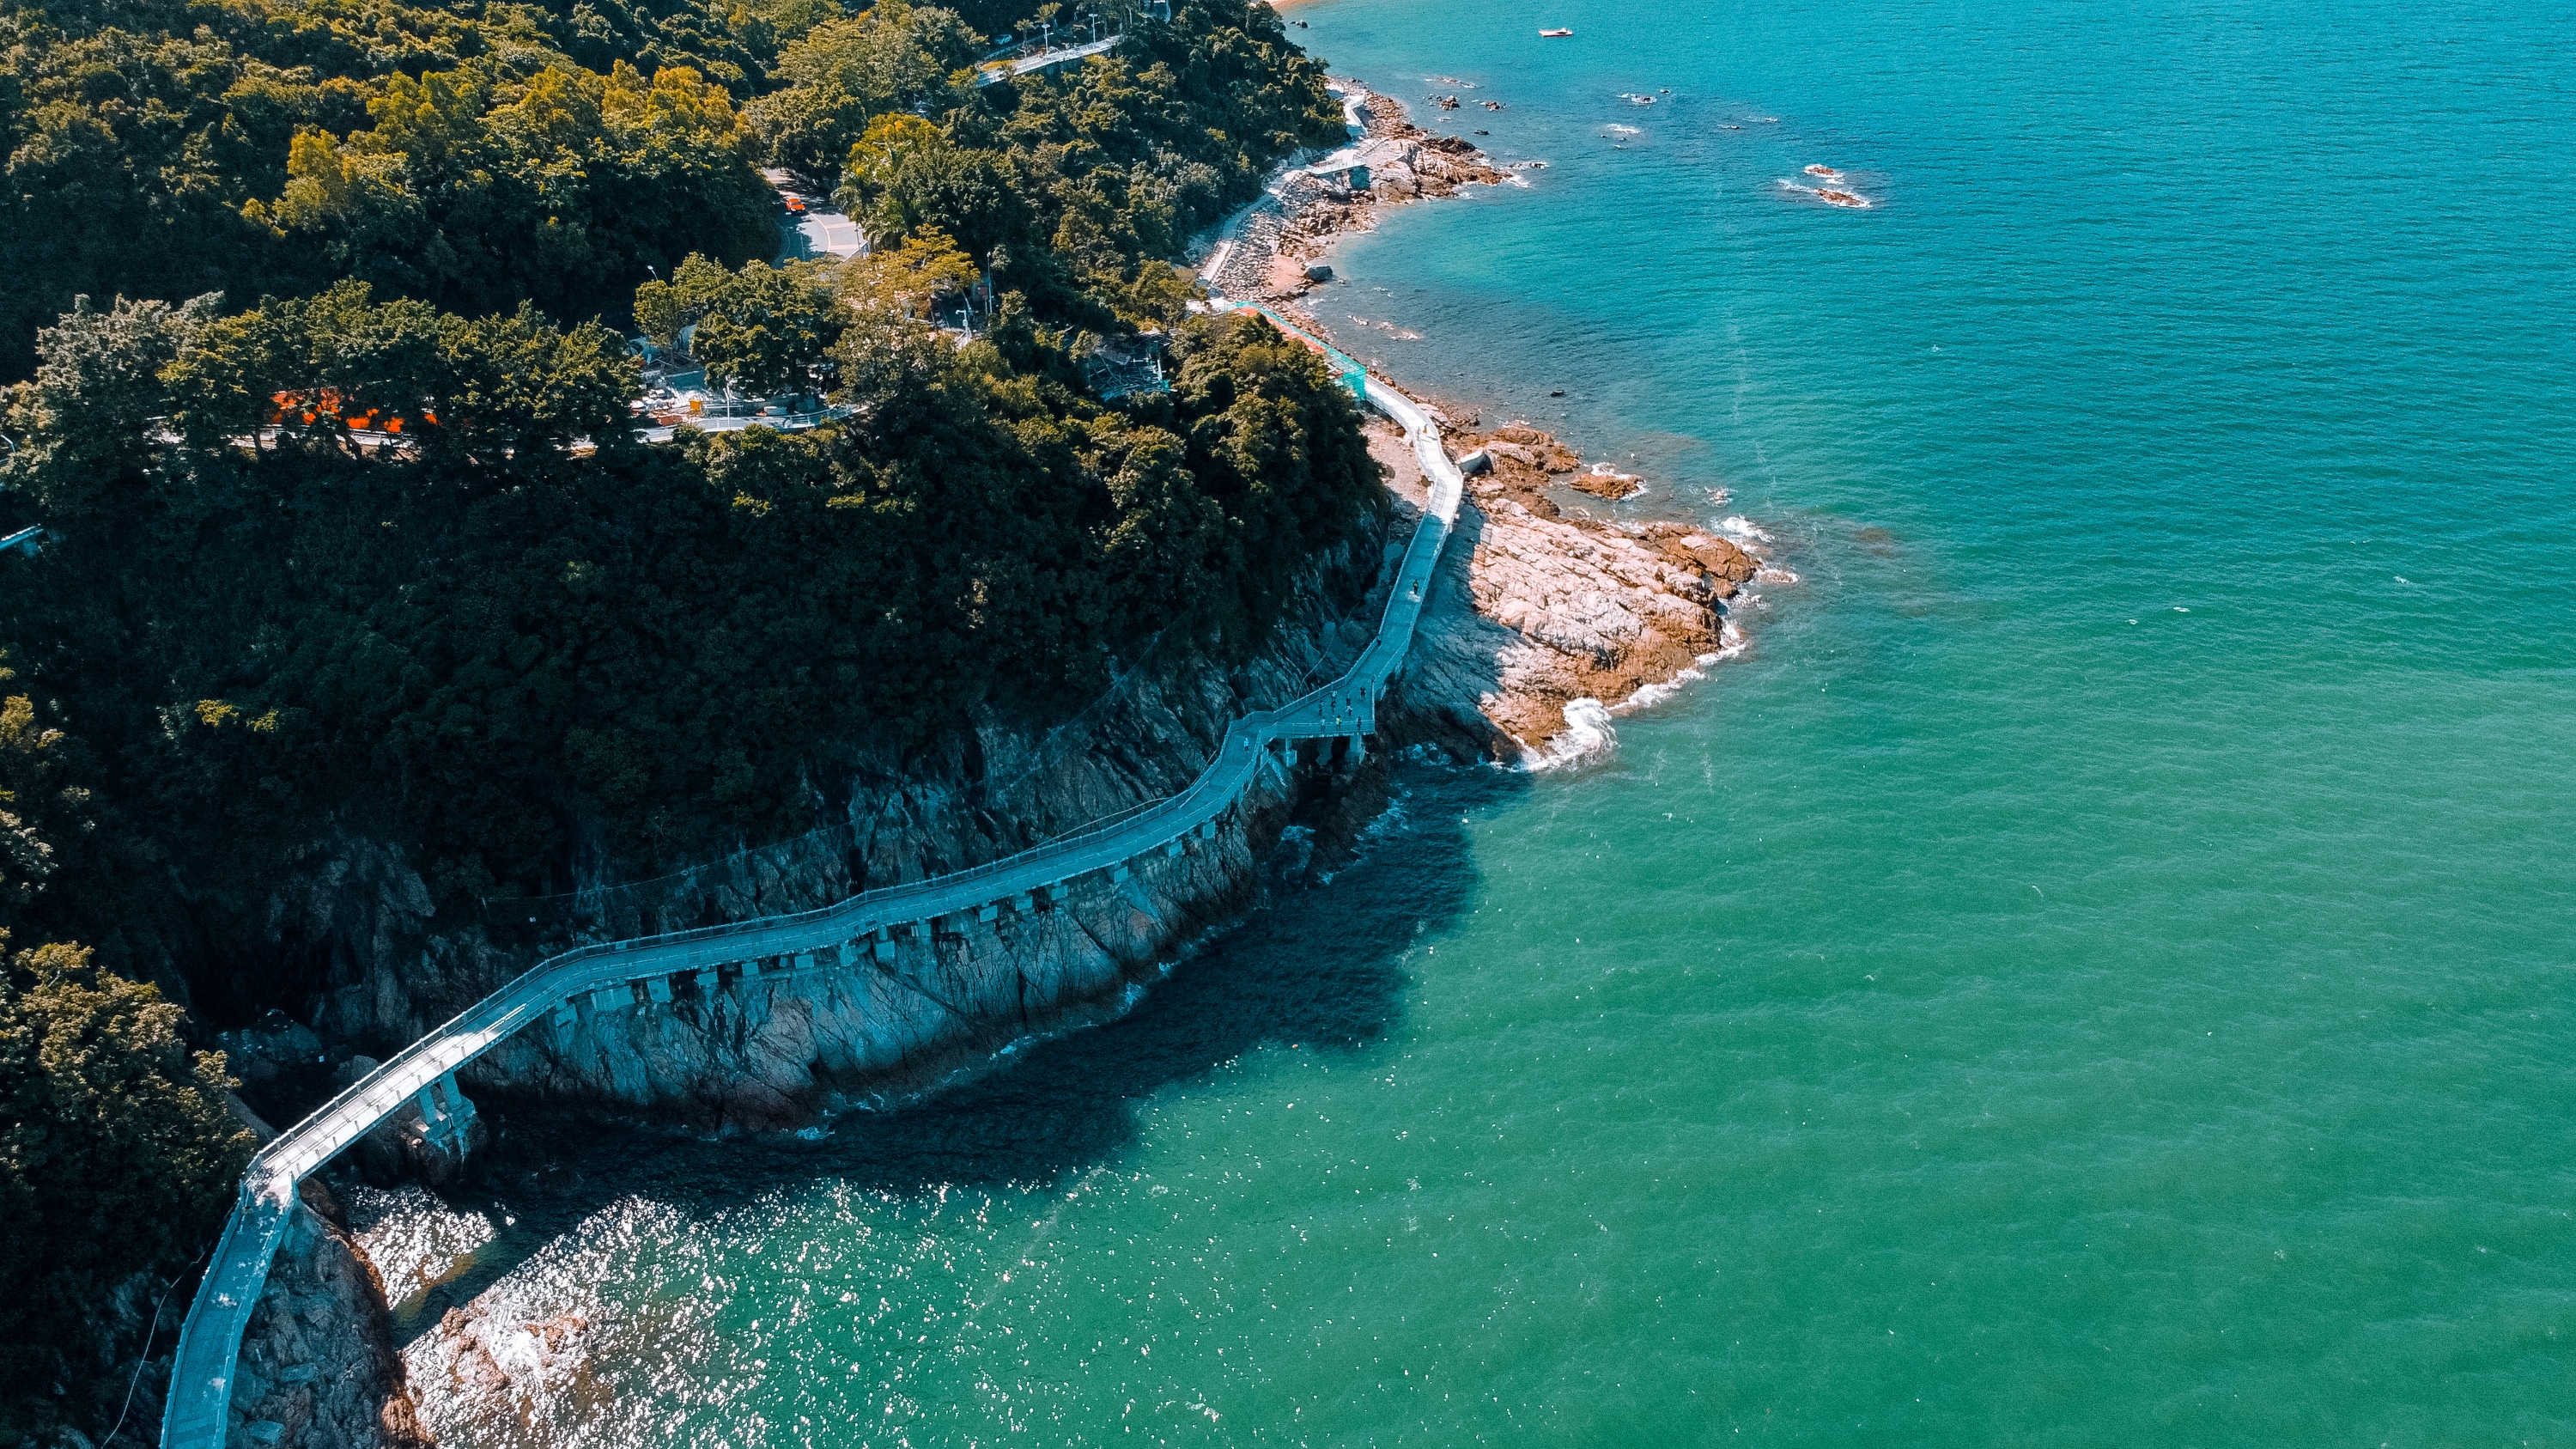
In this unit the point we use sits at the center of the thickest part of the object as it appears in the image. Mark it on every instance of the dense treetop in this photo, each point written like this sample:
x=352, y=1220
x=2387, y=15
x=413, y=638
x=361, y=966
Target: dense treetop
x=326, y=414
x=529, y=659
x=116, y=1157
x=483, y=154
x=512, y=656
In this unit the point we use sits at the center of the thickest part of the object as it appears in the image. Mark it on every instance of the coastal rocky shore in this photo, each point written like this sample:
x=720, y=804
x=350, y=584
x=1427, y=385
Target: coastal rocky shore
x=779, y=1052
x=1543, y=611
x=1558, y=615
x=1597, y=611
x=1391, y=162
x=1544, y=616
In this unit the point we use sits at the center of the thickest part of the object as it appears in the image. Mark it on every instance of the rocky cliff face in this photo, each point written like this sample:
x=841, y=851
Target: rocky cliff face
x=782, y=1050
x=318, y=1367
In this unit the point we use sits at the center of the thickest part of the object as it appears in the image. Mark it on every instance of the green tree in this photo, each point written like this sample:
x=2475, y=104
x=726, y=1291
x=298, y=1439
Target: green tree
x=92, y=413
x=477, y=188
x=906, y=174
x=501, y=384
x=473, y=156
x=893, y=57
x=117, y=1164
x=909, y=279
x=771, y=331
x=665, y=309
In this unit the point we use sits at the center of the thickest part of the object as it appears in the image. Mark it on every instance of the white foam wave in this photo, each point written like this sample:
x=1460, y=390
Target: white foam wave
x=1650, y=695
x=597, y=1333
x=1588, y=733
x=1770, y=575
x=1621, y=130
x=1731, y=642
x=1742, y=529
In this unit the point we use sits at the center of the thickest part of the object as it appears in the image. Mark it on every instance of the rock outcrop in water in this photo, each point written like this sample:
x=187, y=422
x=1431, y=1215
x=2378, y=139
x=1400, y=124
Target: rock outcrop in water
x=1550, y=608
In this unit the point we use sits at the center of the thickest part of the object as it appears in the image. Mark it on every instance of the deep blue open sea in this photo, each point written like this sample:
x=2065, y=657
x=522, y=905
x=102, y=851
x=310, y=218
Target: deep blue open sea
x=2096, y=971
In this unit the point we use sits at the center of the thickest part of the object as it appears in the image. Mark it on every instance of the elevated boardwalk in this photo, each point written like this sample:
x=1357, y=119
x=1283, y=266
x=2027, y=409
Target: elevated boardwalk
x=605, y=976
x=1027, y=64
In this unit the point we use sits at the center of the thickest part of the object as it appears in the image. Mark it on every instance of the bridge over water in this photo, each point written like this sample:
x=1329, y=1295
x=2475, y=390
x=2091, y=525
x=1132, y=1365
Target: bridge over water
x=607, y=977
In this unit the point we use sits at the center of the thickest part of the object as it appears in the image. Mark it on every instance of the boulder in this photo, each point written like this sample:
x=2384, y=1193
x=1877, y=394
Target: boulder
x=1396, y=179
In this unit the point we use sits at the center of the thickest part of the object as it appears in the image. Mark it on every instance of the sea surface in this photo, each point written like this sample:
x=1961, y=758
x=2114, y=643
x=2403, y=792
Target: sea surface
x=2096, y=971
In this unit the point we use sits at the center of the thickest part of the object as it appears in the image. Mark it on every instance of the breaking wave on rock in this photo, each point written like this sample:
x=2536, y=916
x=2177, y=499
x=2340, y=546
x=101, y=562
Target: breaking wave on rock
x=1588, y=735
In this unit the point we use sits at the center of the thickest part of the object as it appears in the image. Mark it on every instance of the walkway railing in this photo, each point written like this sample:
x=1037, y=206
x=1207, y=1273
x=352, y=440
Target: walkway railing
x=604, y=977
x=1027, y=64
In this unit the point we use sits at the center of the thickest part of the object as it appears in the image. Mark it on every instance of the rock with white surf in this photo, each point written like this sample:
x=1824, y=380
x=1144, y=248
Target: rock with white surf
x=1569, y=611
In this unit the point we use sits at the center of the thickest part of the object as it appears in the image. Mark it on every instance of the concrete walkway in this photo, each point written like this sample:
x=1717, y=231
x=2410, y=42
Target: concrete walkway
x=606, y=978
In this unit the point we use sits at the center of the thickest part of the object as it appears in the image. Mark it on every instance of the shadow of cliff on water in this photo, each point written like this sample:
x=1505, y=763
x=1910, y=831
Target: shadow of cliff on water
x=1320, y=965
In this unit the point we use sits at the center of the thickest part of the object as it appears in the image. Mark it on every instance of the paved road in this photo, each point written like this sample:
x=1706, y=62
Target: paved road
x=603, y=978
x=815, y=232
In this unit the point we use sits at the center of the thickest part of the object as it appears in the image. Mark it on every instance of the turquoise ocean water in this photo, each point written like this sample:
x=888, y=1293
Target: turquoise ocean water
x=2097, y=971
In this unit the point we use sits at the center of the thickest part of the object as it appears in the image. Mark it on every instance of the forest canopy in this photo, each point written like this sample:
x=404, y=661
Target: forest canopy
x=324, y=404
x=514, y=641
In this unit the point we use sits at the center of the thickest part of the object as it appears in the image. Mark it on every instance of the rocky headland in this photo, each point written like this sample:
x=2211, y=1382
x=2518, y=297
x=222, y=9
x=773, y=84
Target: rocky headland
x=1559, y=615
x=1541, y=610
x=1601, y=610
x=1544, y=613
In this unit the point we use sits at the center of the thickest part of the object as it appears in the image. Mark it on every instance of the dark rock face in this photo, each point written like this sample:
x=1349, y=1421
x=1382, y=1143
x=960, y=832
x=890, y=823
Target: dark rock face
x=318, y=1368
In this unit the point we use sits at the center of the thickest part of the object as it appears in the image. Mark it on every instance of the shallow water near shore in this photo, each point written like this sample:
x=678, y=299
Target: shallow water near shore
x=2096, y=971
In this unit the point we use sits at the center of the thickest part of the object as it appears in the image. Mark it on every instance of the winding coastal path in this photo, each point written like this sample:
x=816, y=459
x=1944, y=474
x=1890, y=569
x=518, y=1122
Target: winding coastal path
x=607, y=977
